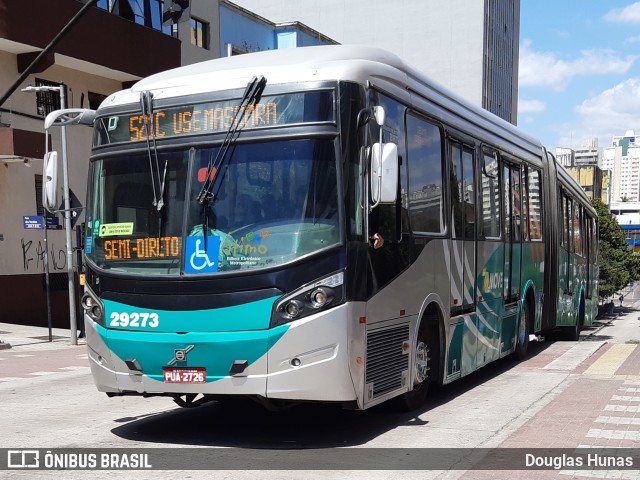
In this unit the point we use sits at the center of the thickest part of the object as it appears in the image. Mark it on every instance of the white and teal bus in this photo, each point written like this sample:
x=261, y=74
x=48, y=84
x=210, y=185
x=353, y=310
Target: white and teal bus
x=229, y=213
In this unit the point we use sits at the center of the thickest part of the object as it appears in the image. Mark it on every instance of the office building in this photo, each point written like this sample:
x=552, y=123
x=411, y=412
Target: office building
x=469, y=46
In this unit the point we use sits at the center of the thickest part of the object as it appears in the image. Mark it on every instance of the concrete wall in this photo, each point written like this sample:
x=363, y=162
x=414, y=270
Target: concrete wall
x=206, y=11
x=291, y=37
x=244, y=32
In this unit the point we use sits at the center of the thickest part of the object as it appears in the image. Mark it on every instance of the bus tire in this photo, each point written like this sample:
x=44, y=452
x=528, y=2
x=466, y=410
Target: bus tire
x=573, y=332
x=522, y=340
x=416, y=397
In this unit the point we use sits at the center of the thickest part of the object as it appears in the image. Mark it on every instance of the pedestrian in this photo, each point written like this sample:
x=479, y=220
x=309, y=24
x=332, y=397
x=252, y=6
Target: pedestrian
x=621, y=299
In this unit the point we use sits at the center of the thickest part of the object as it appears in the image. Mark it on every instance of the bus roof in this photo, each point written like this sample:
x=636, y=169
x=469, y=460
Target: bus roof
x=354, y=63
x=334, y=62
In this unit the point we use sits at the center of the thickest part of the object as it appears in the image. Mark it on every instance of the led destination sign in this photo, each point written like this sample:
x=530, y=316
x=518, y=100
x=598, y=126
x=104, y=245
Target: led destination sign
x=216, y=117
x=141, y=248
x=204, y=118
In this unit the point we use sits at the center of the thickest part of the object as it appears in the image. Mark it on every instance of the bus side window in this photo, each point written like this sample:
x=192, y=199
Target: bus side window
x=468, y=193
x=535, y=204
x=516, y=198
x=425, y=166
x=491, y=219
x=525, y=203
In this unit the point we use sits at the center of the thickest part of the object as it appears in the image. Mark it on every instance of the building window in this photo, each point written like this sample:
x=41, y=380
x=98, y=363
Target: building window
x=199, y=33
x=95, y=99
x=47, y=101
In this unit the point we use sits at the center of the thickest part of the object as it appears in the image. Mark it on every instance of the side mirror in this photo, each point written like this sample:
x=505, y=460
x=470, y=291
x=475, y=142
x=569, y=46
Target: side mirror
x=70, y=116
x=379, y=115
x=384, y=173
x=50, y=181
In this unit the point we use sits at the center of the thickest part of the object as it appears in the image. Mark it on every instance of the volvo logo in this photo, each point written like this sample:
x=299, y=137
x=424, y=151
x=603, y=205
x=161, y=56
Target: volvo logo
x=181, y=355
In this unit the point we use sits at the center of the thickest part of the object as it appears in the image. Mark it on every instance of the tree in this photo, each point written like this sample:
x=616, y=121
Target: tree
x=618, y=266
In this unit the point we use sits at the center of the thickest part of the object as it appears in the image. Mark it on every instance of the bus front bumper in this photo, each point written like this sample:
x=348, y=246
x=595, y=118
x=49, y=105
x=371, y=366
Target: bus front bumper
x=310, y=359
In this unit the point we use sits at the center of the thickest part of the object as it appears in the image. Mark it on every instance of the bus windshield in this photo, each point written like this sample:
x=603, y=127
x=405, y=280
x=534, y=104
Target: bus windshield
x=269, y=203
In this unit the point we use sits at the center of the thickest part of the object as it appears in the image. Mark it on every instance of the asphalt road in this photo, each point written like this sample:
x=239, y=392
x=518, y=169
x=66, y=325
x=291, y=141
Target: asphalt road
x=564, y=395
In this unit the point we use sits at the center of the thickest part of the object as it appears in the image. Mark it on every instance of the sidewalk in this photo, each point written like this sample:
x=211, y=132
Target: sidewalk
x=27, y=337
x=622, y=325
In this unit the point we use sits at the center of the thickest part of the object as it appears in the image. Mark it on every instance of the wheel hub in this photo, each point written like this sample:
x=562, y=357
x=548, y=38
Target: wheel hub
x=422, y=362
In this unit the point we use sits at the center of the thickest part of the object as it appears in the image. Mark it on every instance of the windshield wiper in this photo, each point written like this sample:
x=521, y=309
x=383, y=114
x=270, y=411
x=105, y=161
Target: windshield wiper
x=251, y=96
x=146, y=105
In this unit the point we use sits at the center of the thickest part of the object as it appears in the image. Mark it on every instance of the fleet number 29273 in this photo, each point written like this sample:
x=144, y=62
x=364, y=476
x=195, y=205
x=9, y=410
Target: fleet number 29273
x=134, y=319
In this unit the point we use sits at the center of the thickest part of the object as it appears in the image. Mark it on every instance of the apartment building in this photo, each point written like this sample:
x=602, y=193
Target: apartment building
x=583, y=163
x=622, y=160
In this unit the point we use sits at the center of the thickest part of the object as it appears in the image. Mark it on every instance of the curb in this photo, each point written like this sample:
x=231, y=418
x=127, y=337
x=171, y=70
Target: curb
x=601, y=323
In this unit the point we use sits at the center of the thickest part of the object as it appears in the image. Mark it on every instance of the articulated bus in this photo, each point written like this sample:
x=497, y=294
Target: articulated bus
x=230, y=210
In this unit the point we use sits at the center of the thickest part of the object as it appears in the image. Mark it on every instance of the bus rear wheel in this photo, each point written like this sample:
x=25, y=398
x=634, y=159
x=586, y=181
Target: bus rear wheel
x=573, y=332
x=522, y=342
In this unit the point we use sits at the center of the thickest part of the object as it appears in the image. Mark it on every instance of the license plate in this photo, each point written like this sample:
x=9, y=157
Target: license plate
x=185, y=375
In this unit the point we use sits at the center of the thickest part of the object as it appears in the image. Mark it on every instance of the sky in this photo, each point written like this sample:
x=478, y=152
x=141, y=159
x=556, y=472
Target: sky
x=579, y=72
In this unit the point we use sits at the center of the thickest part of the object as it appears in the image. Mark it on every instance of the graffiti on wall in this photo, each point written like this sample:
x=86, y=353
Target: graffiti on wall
x=33, y=256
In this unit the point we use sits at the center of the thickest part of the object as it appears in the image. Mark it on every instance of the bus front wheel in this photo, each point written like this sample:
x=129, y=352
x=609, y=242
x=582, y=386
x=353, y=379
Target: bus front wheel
x=415, y=398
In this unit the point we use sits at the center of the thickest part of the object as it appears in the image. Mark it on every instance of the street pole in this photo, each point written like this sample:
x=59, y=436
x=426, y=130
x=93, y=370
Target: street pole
x=67, y=227
x=46, y=276
x=73, y=324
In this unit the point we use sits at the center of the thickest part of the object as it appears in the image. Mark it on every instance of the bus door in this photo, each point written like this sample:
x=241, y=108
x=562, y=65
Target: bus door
x=463, y=253
x=513, y=219
x=490, y=258
x=565, y=281
x=592, y=272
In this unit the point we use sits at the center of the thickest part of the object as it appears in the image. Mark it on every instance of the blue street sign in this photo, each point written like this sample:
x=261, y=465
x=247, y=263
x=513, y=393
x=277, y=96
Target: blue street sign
x=53, y=223
x=33, y=222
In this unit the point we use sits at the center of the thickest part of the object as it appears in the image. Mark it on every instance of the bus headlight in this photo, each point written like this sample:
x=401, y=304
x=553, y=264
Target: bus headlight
x=92, y=306
x=319, y=297
x=293, y=308
x=311, y=298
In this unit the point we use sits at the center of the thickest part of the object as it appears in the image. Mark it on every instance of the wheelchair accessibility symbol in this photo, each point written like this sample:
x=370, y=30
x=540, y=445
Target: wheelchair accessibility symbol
x=199, y=259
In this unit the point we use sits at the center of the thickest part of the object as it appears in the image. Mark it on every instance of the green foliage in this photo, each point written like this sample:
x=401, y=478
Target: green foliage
x=618, y=266
x=633, y=266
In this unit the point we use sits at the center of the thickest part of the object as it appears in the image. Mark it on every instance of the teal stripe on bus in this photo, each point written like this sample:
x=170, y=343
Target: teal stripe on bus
x=249, y=316
x=215, y=351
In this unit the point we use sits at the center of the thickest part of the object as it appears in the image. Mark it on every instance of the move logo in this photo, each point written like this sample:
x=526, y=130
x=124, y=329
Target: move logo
x=492, y=280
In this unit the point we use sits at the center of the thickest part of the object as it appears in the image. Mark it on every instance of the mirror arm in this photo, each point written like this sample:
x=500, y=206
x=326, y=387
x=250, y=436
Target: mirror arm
x=371, y=207
x=379, y=115
x=378, y=173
